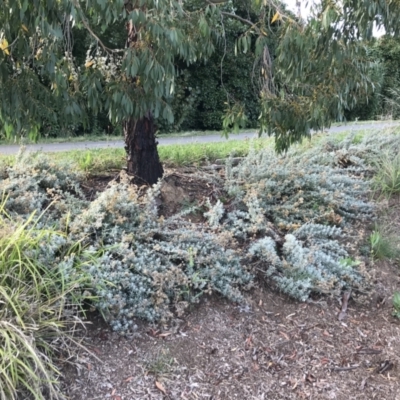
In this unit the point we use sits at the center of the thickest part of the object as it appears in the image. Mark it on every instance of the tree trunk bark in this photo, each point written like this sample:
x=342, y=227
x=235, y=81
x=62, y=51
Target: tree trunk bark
x=141, y=149
x=140, y=140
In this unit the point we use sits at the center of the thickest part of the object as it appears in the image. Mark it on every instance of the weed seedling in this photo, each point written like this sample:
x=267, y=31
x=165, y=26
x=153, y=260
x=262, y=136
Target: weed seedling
x=383, y=245
x=396, y=304
x=161, y=364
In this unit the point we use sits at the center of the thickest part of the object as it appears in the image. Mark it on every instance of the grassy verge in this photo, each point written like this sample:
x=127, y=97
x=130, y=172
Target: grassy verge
x=97, y=161
x=200, y=153
x=368, y=122
x=63, y=139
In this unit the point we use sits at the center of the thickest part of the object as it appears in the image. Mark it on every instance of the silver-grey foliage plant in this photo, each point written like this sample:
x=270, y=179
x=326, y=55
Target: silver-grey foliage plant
x=136, y=263
x=287, y=215
x=291, y=210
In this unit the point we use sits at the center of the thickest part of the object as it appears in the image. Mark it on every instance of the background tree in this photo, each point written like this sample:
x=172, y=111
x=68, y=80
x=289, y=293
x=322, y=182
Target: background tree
x=383, y=100
x=387, y=50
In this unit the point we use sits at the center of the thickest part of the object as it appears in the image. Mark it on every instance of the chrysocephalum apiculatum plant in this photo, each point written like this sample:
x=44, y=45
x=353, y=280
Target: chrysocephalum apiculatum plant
x=140, y=265
x=288, y=212
x=307, y=197
x=148, y=266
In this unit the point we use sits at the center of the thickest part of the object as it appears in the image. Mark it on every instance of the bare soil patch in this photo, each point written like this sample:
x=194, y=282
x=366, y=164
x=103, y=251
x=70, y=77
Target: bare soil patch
x=181, y=189
x=96, y=184
x=273, y=348
x=188, y=188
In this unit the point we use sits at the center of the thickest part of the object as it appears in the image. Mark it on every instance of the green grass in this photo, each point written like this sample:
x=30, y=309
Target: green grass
x=98, y=161
x=111, y=138
x=200, y=153
x=384, y=244
x=370, y=122
x=386, y=181
x=193, y=133
x=63, y=139
x=93, y=161
x=33, y=324
x=160, y=364
x=396, y=304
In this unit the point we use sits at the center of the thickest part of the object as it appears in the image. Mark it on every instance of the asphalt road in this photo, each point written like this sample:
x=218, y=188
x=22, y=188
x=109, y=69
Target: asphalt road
x=54, y=147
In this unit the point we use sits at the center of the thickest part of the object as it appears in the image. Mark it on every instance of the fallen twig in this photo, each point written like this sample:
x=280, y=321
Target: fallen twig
x=338, y=369
x=345, y=300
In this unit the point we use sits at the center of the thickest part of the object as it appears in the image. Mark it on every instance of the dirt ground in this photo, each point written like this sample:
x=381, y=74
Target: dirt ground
x=273, y=348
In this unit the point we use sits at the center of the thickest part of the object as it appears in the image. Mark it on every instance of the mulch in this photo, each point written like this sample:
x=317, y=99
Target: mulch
x=272, y=348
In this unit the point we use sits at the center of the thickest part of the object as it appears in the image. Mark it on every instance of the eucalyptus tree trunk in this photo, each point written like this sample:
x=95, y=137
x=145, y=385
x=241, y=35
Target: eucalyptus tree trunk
x=141, y=149
x=140, y=140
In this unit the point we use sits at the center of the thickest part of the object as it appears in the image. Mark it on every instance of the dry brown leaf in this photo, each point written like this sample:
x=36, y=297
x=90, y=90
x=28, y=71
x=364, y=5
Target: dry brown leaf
x=153, y=332
x=160, y=387
x=96, y=350
x=165, y=334
x=248, y=341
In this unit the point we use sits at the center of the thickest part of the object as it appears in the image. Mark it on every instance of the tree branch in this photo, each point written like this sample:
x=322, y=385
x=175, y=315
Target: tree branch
x=282, y=15
x=231, y=15
x=11, y=44
x=98, y=40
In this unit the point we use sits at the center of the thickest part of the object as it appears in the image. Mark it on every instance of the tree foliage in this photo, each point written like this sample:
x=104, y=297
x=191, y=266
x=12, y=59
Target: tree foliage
x=37, y=63
x=204, y=89
x=319, y=69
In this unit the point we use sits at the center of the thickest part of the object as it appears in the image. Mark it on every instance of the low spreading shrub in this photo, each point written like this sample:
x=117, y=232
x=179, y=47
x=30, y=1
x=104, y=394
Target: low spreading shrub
x=285, y=212
x=34, y=183
x=146, y=266
x=295, y=189
x=310, y=260
x=291, y=208
x=139, y=265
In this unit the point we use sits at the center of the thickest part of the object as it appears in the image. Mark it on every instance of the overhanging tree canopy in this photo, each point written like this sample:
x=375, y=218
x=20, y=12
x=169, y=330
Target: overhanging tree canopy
x=320, y=66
